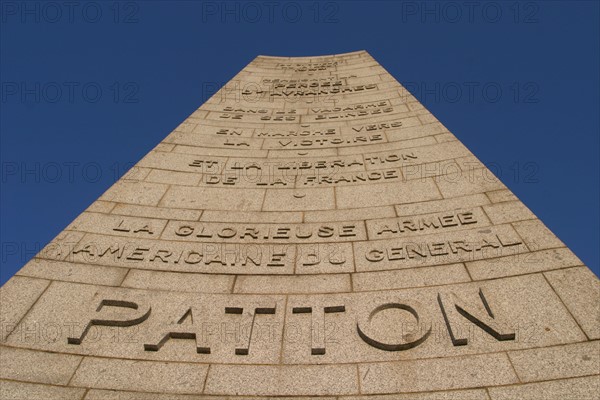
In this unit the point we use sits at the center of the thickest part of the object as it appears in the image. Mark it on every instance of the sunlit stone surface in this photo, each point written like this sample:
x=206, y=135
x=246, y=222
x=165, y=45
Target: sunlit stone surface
x=311, y=230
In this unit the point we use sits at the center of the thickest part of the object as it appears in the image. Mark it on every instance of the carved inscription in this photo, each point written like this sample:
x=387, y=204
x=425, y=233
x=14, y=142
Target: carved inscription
x=353, y=107
x=305, y=90
x=318, y=325
x=300, y=165
x=200, y=254
x=232, y=247
x=182, y=327
x=129, y=227
x=311, y=172
x=305, y=130
x=451, y=306
x=231, y=132
x=351, y=178
x=250, y=236
x=447, y=246
x=364, y=328
x=354, y=114
x=215, y=257
x=240, y=113
x=308, y=67
x=386, y=228
x=323, y=142
x=376, y=127
x=295, y=233
x=109, y=313
x=423, y=250
x=285, y=82
x=308, y=130
x=211, y=166
x=248, y=318
x=189, y=322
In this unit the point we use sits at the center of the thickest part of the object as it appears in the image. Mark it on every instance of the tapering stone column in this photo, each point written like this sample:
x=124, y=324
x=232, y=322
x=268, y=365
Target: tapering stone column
x=311, y=230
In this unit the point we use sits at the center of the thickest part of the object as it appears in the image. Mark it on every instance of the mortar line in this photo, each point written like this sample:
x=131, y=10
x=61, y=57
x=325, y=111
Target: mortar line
x=565, y=305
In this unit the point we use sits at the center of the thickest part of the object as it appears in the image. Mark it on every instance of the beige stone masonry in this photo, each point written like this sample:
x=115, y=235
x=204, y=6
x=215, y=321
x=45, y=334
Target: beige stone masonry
x=311, y=231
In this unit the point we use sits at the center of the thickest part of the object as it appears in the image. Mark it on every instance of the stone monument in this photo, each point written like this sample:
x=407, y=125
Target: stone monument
x=313, y=231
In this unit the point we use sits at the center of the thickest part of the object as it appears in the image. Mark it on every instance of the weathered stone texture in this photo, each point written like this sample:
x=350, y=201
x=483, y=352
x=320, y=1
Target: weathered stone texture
x=310, y=231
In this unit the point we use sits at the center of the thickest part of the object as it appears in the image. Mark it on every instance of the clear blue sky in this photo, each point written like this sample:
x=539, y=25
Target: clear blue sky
x=89, y=88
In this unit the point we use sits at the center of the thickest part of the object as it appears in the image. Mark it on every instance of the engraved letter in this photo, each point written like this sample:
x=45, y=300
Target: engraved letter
x=451, y=306
x=318, y=329
x=112, y=315
x=409, y=340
